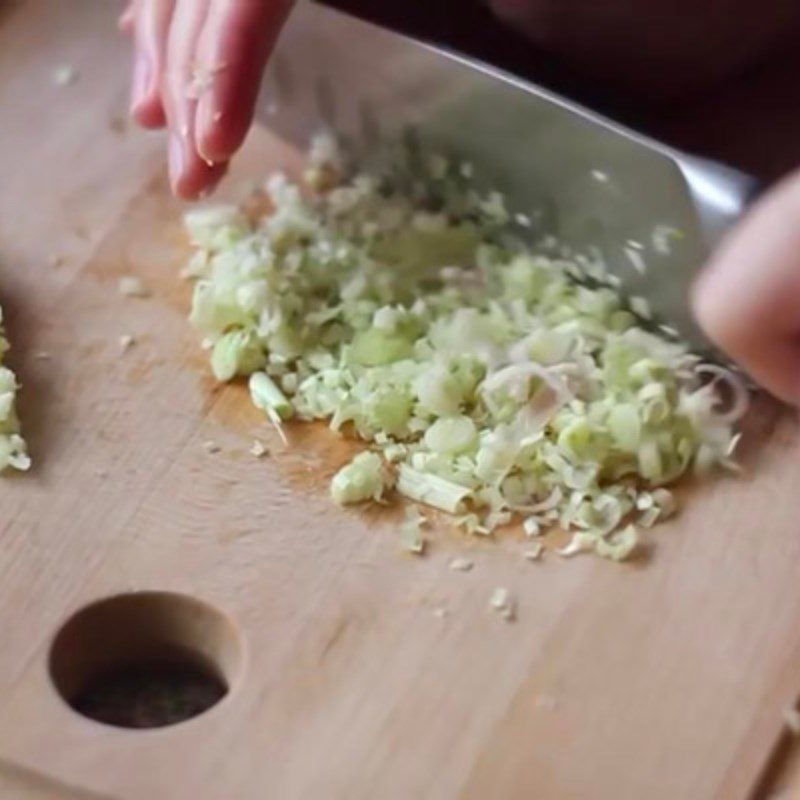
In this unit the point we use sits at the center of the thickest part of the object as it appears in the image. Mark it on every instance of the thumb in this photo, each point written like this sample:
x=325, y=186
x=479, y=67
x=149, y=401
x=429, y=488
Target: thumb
x=747, y=299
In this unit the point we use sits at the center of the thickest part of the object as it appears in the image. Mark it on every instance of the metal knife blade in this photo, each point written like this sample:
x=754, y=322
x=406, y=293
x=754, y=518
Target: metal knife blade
x=584, y=178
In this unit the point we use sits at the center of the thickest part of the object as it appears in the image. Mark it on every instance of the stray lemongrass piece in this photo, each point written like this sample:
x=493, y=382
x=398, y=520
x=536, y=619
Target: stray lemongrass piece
x=268, y=397
x=363, y=478
x=431, y=489
x=534, y=552
x=258, y=449
x=502, y=601
x=411, y=531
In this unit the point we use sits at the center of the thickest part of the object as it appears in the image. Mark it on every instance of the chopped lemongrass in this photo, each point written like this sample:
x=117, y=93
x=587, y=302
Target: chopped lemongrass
x=461, y=565
x=268, y=397
x=502, y=601
x=211, y=447
x=361, y=479
x=431, y=490
x=500, y=380
x=411, y=532
x=13, y=450
x=531, y=526
x=126, y=341
x=258, y=449
x=635, y=257
x=534, y=552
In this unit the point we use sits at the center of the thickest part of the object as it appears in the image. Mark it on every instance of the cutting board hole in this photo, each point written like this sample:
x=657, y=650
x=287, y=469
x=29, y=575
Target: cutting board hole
x=145, y=660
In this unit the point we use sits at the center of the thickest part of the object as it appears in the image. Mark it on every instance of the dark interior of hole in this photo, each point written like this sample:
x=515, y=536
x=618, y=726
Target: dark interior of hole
x=151, y=693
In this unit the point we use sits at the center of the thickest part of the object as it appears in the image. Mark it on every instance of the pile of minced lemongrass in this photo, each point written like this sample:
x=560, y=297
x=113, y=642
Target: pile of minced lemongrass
x=486, y=376
x=13, y=452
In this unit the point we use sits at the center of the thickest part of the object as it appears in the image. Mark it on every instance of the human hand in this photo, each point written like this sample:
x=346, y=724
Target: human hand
x=747, y=299
x=197, y=69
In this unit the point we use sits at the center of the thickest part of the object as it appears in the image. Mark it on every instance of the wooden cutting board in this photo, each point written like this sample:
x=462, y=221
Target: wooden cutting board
x=355, y=670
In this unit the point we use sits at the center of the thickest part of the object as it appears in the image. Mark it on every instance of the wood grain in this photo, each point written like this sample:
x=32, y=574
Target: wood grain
x=665, y=678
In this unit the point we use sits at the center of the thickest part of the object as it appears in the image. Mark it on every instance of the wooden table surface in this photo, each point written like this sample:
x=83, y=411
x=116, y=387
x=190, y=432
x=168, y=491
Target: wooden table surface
x=664, y=678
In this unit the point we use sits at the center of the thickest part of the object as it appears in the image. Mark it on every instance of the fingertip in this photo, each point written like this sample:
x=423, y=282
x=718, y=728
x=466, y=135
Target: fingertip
x=126, y=20
x=219, y=133
x=149, y=113
x=192, y=178
x=197, y=188
x=766, y=352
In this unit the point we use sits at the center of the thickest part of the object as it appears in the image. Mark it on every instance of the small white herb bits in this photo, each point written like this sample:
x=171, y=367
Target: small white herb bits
x=662, y=238
x=211, y=447
x=600, y=176
x=523, y=220
x=534, y=552
x=414, y=542
x=503, y=603
x=461, y=565
x=532, y=527
x=132, y=286
x=126, y=341
x=203, y=79
x=258, y=449
x=641, y=307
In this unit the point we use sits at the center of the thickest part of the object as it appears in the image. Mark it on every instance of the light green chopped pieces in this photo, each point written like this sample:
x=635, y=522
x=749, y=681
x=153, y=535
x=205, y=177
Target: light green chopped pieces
x=451, y=435
x=411, y=531
x=13, y=450
x=534, y=552
x=532, y=526
x=268, y=397
x=431, y=490
x=236, y=353
x=364, y=478
x=500, y=380
x=503, y=603
x=618, y=545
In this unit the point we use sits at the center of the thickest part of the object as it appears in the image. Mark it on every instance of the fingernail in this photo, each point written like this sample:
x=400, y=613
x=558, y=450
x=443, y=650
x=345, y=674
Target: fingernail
x=141, y=80
x=176, y=158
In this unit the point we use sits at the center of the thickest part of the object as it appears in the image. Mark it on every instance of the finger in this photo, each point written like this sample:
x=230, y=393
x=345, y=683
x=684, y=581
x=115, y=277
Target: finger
x=190, y=175
x=748, y=298
x=235, y=43
x=126, y=19
x=151, y=29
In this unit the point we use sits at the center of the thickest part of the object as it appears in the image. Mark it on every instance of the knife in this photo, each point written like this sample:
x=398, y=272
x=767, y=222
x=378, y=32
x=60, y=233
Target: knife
x=653, y=212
